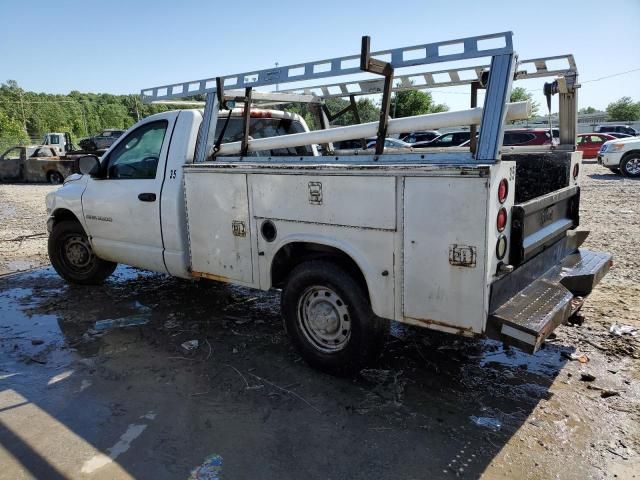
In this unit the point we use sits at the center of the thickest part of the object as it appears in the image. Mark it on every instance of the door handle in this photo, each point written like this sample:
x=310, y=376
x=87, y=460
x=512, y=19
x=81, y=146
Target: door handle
x=147, y=197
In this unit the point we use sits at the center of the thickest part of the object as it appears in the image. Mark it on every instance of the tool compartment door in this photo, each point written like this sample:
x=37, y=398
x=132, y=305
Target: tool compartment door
x=444, y=253
x=218, y=221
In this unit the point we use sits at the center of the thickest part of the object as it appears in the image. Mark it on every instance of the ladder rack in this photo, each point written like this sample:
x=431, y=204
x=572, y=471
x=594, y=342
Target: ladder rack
x=447, y=51
x=437, y=79
x=496, y=78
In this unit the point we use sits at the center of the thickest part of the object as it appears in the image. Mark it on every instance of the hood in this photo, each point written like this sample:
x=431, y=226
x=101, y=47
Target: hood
x=624, y=140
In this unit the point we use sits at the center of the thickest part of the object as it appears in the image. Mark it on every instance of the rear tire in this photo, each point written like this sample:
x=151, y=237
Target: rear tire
x=329, y=318
x=55, y=178
x=71, y=255
x=630, y=165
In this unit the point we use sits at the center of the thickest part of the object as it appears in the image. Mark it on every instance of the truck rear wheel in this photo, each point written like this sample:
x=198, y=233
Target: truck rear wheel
x=329, y=318
x=55, y=178
x=71, y=255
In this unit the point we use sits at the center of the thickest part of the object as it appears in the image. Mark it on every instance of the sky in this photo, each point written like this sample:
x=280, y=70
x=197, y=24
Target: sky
x=124, y=46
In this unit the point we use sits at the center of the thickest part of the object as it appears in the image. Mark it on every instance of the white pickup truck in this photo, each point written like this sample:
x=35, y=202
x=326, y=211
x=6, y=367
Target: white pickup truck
x=473, y=241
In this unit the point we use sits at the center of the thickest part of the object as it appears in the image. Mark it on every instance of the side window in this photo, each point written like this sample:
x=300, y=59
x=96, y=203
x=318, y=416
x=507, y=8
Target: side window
x=445, y=140
x=13, y=154
x=137, y=156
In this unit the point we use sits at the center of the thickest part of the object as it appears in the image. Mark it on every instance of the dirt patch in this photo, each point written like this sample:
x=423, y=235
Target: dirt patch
x=23, y=229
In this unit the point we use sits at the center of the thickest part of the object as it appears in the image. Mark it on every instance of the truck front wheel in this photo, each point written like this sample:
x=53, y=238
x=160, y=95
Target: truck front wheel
x=71, y=255
x=329, y=318
x=630, y=165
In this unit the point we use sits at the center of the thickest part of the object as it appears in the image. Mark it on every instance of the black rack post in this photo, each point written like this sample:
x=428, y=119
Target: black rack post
x=246, y=121
x=385, y=69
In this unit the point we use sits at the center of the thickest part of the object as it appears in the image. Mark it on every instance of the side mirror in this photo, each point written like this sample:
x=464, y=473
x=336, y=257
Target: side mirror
x=88, y=165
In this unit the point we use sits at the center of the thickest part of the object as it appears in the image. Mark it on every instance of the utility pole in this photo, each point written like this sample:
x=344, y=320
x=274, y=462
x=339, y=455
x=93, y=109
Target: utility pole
x=24, y=118
x=277, y=84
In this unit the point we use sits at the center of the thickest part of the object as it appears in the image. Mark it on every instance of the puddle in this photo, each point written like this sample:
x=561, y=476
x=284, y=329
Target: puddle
x=141, y=318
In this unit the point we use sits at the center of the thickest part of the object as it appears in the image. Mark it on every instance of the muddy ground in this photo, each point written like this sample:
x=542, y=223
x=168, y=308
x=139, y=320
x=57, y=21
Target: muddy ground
x=81, y=395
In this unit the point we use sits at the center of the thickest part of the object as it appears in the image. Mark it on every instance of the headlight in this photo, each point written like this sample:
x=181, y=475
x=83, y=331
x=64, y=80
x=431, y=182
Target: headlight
x=616, y=147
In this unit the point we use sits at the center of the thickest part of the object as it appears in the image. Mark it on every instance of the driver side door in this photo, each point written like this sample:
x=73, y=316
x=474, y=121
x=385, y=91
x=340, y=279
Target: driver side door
x=10, y=164
x=121, y=205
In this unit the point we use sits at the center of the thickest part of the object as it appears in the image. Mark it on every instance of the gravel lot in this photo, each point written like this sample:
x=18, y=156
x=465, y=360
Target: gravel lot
x=244, y=394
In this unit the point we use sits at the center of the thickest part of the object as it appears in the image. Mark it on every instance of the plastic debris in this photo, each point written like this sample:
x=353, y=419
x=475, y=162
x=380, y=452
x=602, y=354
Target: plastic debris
x=133, y=320
x=623, y=330
x=580, y=357
x=211, y=469
x=487, y=422
x=190, y=345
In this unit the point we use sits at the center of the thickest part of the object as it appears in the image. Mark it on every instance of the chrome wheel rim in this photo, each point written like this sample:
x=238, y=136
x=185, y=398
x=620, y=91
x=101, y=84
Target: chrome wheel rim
x=324, y=319
x=77, y=252
x=633, y=166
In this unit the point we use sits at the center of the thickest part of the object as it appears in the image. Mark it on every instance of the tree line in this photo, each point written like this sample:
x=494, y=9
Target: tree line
x=26, y=116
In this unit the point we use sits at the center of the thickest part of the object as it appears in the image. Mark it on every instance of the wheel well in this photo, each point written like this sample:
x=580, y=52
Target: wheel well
x=63, y=214
x=632, y=152
x=293, y=254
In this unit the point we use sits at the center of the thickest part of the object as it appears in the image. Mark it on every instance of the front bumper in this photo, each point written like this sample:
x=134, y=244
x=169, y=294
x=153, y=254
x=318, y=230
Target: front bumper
x=610, y=159
x=528, y=304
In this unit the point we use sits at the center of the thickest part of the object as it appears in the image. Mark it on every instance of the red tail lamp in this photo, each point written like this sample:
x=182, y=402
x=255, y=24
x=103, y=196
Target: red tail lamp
x=503, y=190
x=501, y=221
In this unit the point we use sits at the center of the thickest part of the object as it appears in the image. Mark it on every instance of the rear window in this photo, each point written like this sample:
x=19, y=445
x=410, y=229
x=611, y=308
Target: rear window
x=262, y=128
x=517, y=138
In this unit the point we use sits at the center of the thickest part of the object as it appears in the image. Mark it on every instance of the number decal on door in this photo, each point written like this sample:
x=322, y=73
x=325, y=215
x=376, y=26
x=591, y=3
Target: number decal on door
x=172, y=174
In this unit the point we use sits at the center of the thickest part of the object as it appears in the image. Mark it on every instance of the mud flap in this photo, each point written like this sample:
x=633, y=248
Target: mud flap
x=528, y=317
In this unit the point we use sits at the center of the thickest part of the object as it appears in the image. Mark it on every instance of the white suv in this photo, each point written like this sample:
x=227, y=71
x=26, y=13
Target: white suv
x=621, y=155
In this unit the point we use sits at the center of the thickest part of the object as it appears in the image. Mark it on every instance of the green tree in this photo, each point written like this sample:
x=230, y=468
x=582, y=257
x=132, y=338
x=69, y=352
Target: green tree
x=587, y=110
x=407, y=103
x=624, y=110
x=520, y=94
x=11, y=132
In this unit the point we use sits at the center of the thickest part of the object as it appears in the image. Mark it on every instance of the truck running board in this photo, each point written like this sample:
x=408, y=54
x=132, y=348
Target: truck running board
x=527, y=318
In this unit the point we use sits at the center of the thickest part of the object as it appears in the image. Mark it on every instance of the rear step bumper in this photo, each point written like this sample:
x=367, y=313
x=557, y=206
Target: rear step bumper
x=528, y=317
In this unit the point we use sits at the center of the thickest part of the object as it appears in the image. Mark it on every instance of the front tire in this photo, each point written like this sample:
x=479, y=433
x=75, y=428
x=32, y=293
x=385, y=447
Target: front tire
x=71, y=255
x=630, y=165
x=329, y=318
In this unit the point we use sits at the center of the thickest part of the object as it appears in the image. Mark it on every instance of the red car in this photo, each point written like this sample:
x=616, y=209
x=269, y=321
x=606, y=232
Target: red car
x=589, y=143
x=519, y=137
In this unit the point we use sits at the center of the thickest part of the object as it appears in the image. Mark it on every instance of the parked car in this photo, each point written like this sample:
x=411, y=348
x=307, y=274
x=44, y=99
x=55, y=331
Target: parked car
x=451, y=139
x=349, y=144
x=101, y=141
x=617, y=128
x=34, y=164
x=389, y=143
x=520, y=137
x=589, y=143
x=425, y=136
x=621, y=155
x=619, y=134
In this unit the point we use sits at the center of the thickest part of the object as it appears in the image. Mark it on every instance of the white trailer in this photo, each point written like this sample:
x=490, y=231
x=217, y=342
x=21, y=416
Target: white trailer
x=475, y=241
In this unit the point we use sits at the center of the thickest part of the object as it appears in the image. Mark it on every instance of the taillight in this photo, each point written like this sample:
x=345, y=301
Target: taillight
x=260, y=114
x=501, y=221
x=503, y=190
x=576, y=170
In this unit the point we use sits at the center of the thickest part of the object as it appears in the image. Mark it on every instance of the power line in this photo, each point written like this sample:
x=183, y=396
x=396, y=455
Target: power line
x=612, y=75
